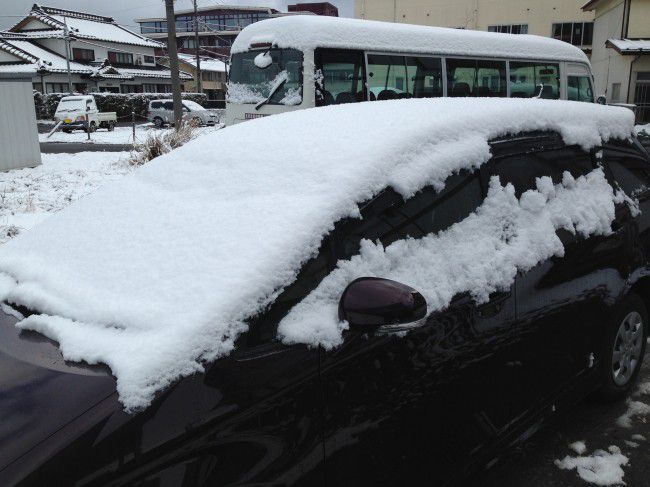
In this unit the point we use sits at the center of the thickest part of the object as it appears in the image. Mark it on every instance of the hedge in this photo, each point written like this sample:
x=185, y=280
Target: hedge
x=121, y=103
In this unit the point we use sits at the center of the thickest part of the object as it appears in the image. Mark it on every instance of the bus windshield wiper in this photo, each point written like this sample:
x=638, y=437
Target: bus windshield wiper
x=274, y=90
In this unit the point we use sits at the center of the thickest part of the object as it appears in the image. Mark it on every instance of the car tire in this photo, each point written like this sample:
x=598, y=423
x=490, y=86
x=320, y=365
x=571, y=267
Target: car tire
x=158, y=122
x=67, y=131
x=111, y=126
x=623, y=348
x=92, y=127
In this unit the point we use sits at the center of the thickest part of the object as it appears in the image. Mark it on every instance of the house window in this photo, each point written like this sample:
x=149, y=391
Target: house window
x=150, y=60
x=616, y=93
x=509, y=29
x=149, y=88
x=56, y=87
x=120, y=57
x=576, y=33
x=83, y=54
x=131, y=88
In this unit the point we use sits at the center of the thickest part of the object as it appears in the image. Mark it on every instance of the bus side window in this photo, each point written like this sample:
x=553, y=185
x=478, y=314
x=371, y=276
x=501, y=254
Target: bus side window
x=387, y=77
x=528, y=80
x=340, y=76
x=476, y=77
x=424, y=77
x=579, y=89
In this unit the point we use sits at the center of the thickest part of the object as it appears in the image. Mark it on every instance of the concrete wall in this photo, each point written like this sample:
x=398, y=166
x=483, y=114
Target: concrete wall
x=19, y=145
x=475, y=14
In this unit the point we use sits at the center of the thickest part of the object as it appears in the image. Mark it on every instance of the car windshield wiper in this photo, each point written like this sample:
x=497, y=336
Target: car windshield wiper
x=273, y=92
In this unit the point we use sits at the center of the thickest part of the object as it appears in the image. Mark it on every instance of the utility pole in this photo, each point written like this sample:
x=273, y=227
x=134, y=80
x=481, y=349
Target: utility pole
x=172, y=50
x=66, y=37
x=199, y=88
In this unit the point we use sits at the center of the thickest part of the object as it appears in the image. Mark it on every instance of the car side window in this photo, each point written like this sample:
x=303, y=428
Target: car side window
x=630, y=172
x=522, y=170
x=168, y=105
x=389, y=218
x=386, y=218
x=156, y=104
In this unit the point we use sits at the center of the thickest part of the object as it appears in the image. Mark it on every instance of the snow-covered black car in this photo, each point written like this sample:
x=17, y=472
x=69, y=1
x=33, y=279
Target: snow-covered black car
x=371, y=294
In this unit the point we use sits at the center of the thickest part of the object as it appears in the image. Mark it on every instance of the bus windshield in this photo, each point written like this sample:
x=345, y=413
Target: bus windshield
x=274, y=75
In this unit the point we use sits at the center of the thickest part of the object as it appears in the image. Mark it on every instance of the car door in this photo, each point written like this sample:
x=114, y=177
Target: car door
x=414, y=408
x=560, y=302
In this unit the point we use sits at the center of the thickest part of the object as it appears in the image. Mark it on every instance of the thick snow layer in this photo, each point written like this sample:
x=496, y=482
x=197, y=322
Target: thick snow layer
x=579, y=447
x=28, y=196
x=105, y=31
x=600, y=468
x=155, y=273
x=504, y=236
x=309, y=32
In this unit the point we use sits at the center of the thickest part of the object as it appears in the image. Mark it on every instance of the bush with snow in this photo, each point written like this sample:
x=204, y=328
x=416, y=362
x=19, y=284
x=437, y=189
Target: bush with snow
x=157, y=273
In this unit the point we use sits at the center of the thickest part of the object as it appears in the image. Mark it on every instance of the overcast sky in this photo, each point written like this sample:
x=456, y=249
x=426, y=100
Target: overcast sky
x=124, y=11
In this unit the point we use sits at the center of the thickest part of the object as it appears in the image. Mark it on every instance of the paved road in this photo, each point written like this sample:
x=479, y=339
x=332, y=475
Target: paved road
x=74, y=147
x=532, y=465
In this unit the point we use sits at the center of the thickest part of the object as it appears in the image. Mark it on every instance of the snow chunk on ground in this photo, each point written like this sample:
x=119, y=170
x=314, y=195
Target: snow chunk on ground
x=638, y=437
x=579, y=447
x=504, y=236
x=600, y=468
x=156, y=273
x=634, y=409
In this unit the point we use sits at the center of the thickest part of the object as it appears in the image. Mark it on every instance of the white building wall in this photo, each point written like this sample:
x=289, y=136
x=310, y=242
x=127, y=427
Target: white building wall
x=101, y=48
x=609, y=67
x=18, y=131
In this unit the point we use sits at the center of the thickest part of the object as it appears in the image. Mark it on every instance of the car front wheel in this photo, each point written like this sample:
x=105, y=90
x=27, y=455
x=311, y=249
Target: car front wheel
x=624, y=348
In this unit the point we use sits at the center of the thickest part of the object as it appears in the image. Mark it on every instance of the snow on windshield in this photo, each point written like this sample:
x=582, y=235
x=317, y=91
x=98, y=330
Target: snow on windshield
x=157, y=273
x=263, y=60
x=192, y=105
x=244, y=93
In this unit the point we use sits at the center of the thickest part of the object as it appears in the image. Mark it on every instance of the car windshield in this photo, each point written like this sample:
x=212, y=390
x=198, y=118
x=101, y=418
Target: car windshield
x=257, y=75
x=71, y=104
x=192, y=106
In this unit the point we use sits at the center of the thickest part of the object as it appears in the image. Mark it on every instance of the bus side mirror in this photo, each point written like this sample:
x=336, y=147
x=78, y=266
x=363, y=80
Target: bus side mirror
x=601, y=100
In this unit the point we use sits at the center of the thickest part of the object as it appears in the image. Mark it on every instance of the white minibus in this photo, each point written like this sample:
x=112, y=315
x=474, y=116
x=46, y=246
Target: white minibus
x=303, y=61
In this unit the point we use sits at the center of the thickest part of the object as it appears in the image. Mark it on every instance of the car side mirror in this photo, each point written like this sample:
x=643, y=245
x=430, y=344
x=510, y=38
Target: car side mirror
x=376, y=302
x=601, y=100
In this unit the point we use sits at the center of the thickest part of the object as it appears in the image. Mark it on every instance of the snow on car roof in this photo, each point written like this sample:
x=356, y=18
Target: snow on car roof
x=156, y=273
x=309, y=32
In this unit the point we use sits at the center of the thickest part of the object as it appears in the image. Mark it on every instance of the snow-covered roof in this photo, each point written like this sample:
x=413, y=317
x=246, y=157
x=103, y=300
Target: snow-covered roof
x=207, y=64
x=309, y=32
x=157, y=272
x=630, y=46
x=33, y=57
x=85, y=26
x=37, y=56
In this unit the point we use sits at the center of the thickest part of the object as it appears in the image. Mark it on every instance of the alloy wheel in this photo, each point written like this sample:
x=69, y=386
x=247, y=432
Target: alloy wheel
x=627, y=348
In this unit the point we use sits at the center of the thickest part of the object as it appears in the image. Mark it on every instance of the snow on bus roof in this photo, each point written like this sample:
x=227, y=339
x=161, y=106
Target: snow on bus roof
x=156, y=273
x=309, y=32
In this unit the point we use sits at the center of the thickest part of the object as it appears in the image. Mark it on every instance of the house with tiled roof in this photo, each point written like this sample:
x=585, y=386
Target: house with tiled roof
x=104, y=56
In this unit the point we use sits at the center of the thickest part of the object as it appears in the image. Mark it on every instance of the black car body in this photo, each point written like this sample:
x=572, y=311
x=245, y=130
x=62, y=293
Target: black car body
x=426, y=406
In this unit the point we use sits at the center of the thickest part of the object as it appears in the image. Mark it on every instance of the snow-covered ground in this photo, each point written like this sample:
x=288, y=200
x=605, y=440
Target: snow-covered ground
x=28, y=196
x=121, y=135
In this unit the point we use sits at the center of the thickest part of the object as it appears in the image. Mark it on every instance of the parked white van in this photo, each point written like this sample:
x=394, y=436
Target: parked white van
x=289, y=63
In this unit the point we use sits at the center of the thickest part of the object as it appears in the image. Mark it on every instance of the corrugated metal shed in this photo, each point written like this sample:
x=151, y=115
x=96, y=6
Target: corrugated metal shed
x=19, y=145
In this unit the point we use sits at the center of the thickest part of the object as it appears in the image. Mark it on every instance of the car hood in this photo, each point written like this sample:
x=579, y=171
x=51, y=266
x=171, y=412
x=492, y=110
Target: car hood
x=41, y=393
